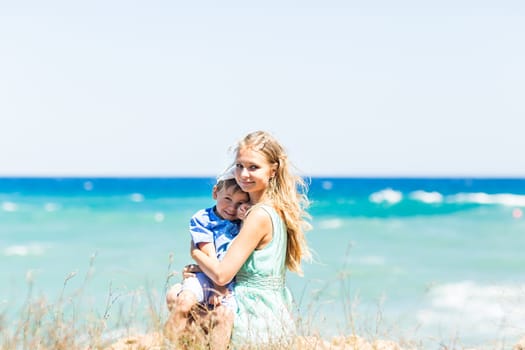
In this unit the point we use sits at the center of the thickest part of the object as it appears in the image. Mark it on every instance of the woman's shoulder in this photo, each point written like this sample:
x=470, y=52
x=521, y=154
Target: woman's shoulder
x=260, y=214
x=266, y=209
x=259, y=210
x=260, y=222
x=265, y=212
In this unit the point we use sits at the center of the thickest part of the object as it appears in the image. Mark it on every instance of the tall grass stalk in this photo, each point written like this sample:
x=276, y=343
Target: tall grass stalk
x=65, y=324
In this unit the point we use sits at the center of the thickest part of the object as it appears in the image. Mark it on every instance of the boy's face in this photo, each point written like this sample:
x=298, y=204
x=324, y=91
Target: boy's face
x=229, y=202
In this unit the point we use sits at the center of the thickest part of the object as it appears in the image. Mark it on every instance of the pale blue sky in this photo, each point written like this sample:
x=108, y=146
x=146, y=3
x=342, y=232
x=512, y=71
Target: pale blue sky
x=351, y=88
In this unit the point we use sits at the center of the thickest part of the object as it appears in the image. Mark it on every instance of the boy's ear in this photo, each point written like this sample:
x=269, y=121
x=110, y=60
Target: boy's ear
x=214, y=192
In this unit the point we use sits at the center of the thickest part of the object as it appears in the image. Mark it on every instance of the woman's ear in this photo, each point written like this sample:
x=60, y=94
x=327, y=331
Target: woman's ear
x=274, y=170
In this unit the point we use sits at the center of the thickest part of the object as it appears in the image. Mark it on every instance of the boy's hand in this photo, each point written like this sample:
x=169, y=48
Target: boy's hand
x=218, y=293
x=215, y=299
x=190, y=270
x=242, y=210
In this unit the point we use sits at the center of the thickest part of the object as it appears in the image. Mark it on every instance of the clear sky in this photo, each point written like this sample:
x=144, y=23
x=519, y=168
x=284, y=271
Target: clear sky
x=351, y=88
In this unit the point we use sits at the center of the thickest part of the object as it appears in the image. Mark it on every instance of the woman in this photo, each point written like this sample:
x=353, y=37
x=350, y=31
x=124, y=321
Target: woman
x=271, y=239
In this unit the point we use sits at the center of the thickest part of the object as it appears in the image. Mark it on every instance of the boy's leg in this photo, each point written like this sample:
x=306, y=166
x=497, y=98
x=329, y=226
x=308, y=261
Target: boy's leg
x=222, y=318
x=182, y=302
x=194, y=290
x=178, y=318
x=172, y=294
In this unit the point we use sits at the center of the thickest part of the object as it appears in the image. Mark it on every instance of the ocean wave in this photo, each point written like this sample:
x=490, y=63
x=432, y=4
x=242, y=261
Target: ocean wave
x=505, y=199
x=387, y=195
x=392, y=196
x=426, y=197
x=9, y=206
x=474, y=307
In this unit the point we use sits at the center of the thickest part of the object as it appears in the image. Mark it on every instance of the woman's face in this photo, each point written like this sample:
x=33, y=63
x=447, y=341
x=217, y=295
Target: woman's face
x=253, y=172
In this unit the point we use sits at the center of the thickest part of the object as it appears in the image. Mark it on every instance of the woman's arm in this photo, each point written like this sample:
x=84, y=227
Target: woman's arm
x=256, y=229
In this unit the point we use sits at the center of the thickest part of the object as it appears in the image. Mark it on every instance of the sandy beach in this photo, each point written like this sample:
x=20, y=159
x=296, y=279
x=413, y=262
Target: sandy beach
x=157, y=341
x=351, y=342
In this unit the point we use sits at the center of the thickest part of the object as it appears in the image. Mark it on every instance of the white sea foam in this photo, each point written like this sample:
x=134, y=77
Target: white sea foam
x=387, y=195
x=327, y=185
x=470, y=307
x=330, y=224
x=137, y=197
x=159, y=217
x=9, y=206
x=505, y=199
x=426, y=197
x=88, y=186
x=50, y=207
x=24, y=250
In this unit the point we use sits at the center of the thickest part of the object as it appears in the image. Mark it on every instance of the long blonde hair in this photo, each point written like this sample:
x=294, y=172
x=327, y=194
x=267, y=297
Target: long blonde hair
x=288, y=192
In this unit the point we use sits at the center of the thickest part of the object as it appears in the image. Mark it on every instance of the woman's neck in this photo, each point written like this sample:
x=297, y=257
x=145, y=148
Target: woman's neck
x=260, y=197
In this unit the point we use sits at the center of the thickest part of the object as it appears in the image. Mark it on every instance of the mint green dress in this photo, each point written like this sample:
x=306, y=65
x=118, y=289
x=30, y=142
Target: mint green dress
x=264, y=302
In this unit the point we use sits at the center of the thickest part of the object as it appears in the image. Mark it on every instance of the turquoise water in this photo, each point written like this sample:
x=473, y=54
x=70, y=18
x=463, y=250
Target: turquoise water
x=420, y=258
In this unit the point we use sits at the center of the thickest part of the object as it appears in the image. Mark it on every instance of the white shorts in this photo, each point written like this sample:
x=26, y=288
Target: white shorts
x=202, y=287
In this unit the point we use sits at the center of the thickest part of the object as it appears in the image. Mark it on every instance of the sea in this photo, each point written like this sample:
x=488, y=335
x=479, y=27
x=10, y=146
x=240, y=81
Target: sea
x=438, y=262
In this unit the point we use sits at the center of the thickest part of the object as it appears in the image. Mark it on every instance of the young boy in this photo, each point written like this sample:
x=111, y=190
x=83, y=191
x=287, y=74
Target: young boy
x=212, y=230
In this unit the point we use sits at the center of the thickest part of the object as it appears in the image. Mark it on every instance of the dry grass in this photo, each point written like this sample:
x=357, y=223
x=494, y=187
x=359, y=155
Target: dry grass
x=41, y=324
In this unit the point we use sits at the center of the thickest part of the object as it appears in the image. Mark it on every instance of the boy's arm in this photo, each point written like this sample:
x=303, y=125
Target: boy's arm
x=201, y=237
x=219, y=291
x=206, y=247
x=200, y=232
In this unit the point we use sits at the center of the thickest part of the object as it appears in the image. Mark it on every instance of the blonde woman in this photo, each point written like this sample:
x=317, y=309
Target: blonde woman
x=270, y=241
